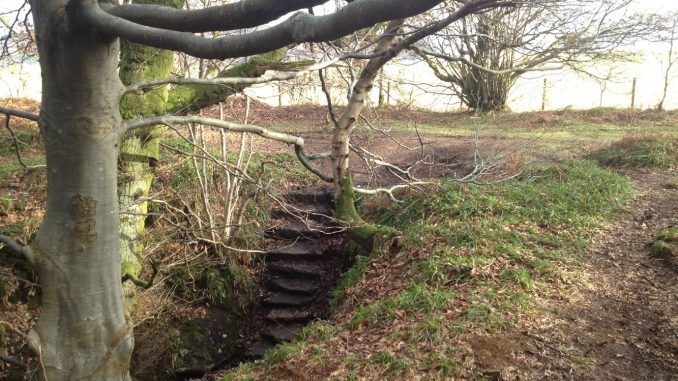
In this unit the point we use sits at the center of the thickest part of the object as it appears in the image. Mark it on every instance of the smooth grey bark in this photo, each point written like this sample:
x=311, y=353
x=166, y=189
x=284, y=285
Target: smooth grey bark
x=346, y=123
x=82, y=332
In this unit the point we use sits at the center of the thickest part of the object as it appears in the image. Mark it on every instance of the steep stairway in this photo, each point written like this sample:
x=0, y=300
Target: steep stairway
x=301, y=267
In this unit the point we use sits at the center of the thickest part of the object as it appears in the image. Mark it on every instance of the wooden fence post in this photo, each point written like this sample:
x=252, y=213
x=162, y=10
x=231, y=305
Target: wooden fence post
x=633, y=94
x=543, y=95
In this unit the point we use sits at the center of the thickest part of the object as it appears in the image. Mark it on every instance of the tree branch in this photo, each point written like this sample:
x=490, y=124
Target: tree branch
x=16, y=146
x=230, y=80
x=390, y=191
x=24, y=251
x=298, y=142
x=424, y=52
x=14, y=362
x=19, y=113
x=238, y=15
x=128, y=276
x=299, y=28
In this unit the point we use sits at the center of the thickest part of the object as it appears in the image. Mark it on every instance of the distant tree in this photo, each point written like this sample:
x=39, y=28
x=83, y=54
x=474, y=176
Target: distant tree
x=483, y=56
x=669, y=36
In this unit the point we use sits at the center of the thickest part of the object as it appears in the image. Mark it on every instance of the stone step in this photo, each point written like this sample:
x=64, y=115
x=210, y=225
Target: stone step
x=282, y=299
x=313, y=212
x=280, y=333
x=296, y=269
x=259, y=349
x=292, y=230
x=299, y=286
x=289, y=315
x=309, y=196
x=290, y=250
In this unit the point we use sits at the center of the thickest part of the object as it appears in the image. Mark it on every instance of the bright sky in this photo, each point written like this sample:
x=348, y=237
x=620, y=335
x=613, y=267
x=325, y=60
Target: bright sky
x=639, y=5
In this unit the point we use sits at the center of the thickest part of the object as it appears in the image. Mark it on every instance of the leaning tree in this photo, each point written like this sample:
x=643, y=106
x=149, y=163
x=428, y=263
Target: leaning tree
x=82, y=331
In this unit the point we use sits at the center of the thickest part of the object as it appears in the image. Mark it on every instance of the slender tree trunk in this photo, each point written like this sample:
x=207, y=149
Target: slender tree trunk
x=82, y=332
x=341, y=137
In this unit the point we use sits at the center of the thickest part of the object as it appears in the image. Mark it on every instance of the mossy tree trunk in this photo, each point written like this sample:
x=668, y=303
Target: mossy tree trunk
x=360, y=232
x=140, y=149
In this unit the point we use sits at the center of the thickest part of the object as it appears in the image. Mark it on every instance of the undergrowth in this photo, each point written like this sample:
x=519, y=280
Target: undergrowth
x=472, y=257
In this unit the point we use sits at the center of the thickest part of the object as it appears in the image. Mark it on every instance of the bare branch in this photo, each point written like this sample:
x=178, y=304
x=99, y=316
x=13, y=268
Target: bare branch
x=16, y=146
x=237, y=15
x=390, y=191
x=230, y=80
x=24, y=251
x=299, y=28
x=298, y=142
x=19, y=113
x=520, y=70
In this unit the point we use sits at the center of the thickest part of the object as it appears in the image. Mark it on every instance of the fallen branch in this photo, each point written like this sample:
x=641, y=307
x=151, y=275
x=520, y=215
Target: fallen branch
x=14, y=362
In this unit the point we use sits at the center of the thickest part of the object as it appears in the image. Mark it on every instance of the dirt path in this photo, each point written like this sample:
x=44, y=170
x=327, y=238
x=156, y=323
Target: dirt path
x=623, y=325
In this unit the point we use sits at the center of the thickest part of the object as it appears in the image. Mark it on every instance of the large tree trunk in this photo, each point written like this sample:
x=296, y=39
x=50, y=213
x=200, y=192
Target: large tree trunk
x=82, y=332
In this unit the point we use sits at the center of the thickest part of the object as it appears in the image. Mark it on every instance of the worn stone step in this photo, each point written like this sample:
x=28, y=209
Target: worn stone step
x=281, y=333
x=290, y=250
x=289, y=315
x=296, y=269
x=281, y=299
x=285, y=229
x=300, y=286
x=309, y=196
x=259, y=349
x=313, y=212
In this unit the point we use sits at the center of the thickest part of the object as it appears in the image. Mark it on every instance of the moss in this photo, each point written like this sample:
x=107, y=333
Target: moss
x=661, y=249
x=185, y=98
x=129, y=268
x=360, y=234
x=345, y=202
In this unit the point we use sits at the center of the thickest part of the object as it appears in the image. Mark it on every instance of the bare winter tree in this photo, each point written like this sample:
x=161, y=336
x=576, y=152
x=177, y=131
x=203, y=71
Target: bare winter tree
x=670, y=36
x=82, y=332
x=483, y=56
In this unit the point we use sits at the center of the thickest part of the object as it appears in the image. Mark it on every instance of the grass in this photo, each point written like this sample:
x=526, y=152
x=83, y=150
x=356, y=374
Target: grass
x=640, y=152
x=478, y=255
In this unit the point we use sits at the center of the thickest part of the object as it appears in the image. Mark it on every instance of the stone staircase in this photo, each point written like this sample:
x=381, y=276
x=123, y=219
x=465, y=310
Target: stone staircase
x=302, y=266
